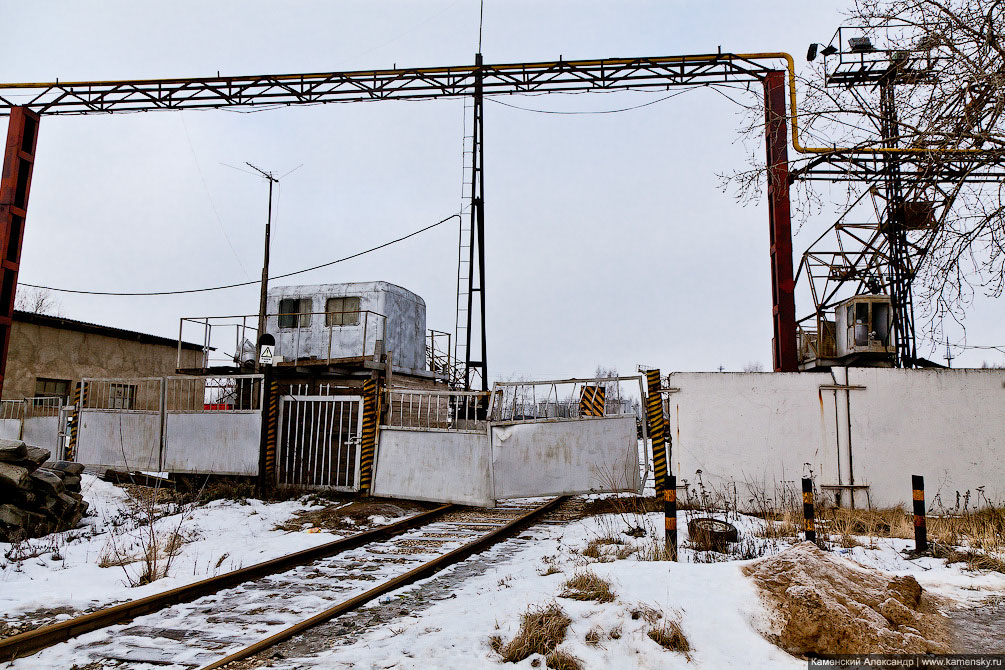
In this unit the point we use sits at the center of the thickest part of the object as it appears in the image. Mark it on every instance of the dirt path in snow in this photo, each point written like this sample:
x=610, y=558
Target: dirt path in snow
x=980, y=630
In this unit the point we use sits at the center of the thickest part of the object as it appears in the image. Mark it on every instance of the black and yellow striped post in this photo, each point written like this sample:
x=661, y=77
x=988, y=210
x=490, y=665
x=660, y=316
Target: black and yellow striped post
x=71, y=449
x=271, y=428
x=808, y=513
x=654, y=415
x=670, y=516
x=267, y=434
x=368, y=438
x=592, y=401
x=920, y=525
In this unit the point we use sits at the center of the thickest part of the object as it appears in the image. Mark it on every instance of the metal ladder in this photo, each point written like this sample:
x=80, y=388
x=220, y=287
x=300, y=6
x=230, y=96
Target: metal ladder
x=464, y=245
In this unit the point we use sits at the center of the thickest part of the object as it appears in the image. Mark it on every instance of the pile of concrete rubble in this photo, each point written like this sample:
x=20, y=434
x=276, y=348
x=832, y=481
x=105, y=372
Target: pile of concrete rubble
x=36, y=501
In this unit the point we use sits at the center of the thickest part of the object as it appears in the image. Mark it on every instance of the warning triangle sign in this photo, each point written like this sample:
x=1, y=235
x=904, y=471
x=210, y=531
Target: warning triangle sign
x=265, y=357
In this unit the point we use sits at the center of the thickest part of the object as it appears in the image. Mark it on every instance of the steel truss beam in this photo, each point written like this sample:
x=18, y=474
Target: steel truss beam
x=476, y=81
x=611, y=74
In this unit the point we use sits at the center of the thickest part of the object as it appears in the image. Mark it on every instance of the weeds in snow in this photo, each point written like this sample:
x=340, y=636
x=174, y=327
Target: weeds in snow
x=668, y=634
x=586, y=585
x=542, y=629
x=560, y=660
x=143, y=550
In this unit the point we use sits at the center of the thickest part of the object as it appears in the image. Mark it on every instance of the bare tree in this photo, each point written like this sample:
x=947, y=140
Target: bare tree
x=37, y=301
x=948, y=57
x=753, y=366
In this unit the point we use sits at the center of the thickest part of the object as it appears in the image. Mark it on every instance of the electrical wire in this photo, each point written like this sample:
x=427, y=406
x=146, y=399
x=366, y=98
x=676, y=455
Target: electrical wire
x=209, y=196
x=602, y=111
x=247, y=283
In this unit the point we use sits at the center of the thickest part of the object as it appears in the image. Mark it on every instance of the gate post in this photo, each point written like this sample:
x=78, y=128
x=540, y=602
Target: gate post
x=654, y=414
x=15, y=183
x=368, y=436
x=267, y=448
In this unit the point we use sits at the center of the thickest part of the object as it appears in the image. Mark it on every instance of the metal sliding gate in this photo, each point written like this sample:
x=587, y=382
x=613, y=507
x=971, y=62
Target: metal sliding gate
x=319, y=441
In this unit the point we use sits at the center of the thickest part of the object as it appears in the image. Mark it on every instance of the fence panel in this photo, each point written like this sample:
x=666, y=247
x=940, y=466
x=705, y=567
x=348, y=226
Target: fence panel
x=441, y=466
x=121, y=423
x=445, y=410
x=213, y=424
x=542, y=458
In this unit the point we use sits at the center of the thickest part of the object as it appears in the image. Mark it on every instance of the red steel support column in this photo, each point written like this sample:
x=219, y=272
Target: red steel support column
x=19, y=158
x=784, y=353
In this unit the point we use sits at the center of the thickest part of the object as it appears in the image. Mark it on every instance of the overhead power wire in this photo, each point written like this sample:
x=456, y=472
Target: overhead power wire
x=601, y=111
x=247, y=283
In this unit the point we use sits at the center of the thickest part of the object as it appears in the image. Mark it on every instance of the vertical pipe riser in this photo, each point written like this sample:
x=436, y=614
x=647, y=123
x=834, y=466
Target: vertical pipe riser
x=785, y=354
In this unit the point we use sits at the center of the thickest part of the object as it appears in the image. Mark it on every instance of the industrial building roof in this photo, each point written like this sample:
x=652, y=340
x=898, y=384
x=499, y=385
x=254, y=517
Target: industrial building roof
x=97, y=329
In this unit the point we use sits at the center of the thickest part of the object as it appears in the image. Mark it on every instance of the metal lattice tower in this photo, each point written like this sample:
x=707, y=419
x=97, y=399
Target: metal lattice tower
x=469, y=333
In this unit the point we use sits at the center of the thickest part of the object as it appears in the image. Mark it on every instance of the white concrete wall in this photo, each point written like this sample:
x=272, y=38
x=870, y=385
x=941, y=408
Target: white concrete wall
x=559, y=457
x=438, y=465
x=762, y=431
x=224, y=443
x=119, y=439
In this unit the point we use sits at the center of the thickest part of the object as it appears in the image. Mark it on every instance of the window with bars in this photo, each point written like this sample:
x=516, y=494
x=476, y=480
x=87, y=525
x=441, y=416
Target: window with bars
x=342, y=311
x=122, y=396
x=295, y=312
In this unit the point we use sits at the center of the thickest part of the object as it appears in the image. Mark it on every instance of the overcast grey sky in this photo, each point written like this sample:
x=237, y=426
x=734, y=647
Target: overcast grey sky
x=609, y=240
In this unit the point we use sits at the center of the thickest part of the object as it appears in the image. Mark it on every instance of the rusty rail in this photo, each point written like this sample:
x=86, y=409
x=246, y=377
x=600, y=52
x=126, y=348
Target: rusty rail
x=32, y=641
x=421, y=572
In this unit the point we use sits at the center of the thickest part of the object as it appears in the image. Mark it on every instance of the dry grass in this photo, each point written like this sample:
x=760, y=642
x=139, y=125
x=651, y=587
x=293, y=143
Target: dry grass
x=542, y=629
x=594, y=636
x=655, y=549
x=975, y=560
x=981, y=533
x=586, y=585
x=144, y=549
x=668, y=634
x=889, y=522
x=781, y=525
x=560, y=660
x=648, y=614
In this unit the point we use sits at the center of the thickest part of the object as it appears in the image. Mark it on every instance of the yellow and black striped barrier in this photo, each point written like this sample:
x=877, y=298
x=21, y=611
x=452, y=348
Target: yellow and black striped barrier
x=920, y=525
x=654, y=415
x=670, y=516
x=808, y=514
x=71, y=449
x=368, y=438
x=271, y=425
x=592, y=401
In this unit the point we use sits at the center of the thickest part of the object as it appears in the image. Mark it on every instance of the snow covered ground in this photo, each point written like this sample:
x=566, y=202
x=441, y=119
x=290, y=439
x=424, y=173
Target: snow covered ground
x=719, y=608
x=219, y=537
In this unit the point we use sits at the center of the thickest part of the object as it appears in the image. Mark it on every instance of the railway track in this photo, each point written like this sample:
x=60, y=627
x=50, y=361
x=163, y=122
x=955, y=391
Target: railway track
x=226, y=618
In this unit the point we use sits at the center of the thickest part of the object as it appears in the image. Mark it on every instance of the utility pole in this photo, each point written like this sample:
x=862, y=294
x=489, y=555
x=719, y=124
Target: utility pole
x=265, y=266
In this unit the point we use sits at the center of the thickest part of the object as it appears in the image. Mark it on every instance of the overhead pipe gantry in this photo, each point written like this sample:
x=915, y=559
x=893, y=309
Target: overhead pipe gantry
x=26, y=102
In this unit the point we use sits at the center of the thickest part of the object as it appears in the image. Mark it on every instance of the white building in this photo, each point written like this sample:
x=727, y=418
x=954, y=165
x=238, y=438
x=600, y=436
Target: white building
x=349, y=321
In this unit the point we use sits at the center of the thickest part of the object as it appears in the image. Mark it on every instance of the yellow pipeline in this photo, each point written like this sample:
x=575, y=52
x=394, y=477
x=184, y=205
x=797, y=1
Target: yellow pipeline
x=791, y=66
